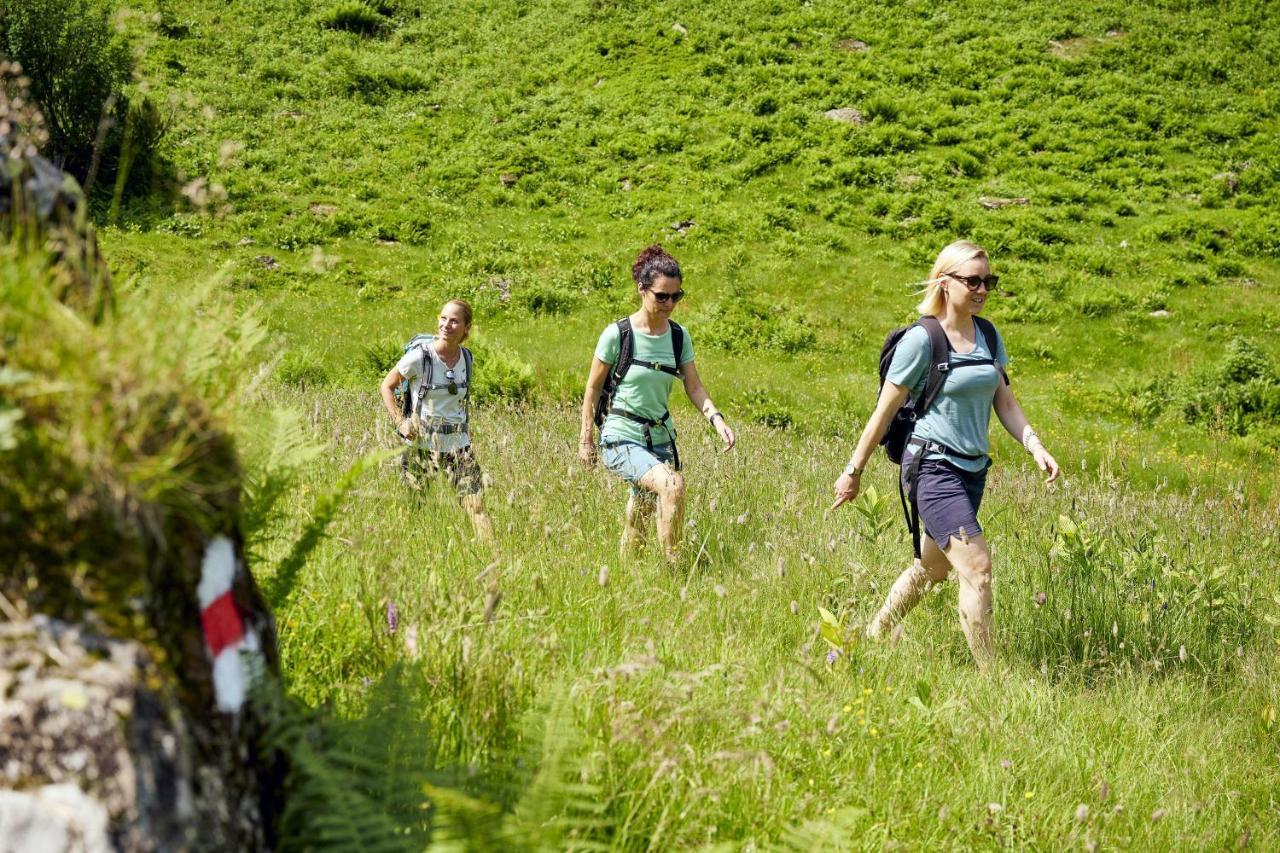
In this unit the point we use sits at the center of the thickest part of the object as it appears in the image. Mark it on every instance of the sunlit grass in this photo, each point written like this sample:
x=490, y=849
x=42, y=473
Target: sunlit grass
x=708, y=705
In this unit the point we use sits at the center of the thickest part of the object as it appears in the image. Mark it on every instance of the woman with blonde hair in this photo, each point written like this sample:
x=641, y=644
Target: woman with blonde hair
x=945, y=458
x=436, y=428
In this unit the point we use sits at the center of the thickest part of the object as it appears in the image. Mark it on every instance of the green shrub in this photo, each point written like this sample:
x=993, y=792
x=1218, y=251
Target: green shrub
x=745, y=323
x=759, y=406
x=546, y=298
x=354, y=17
x=302, y=369
x=78, y=67
x=501, y=376
x=1241, y=394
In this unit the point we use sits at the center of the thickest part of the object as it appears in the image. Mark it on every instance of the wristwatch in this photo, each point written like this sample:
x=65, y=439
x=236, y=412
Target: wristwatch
x=851, y=471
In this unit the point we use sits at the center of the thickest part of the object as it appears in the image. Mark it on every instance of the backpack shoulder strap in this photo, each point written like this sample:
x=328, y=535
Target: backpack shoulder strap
x=469, y=360
x=626, y=348
x=939, y=363
x=989, y=333
x=677, y=341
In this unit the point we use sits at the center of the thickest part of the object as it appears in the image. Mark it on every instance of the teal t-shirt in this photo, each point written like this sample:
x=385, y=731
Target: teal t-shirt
x=643, y=390
x=961, y=413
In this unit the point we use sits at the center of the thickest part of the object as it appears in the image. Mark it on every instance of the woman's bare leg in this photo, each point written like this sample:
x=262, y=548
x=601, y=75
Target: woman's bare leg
x=474, y=505
x=971, y=558
x=635, y=527
x=910, y=588
x=668, y=485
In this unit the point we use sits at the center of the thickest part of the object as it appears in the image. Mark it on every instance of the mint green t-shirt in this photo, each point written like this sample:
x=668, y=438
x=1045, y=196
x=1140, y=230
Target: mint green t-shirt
x=961, y=413
x=643, y=391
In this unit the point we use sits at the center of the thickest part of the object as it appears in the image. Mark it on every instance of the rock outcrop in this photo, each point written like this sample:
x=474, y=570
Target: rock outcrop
x=131, y=630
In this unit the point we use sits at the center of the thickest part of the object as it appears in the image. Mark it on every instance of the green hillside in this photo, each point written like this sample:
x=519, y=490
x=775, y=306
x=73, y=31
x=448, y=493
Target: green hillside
x=338, y=169
x=520, y=153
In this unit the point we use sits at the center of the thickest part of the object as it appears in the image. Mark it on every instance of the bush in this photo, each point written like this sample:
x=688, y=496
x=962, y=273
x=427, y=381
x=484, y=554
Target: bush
x=759, y=406
x=501, y=376
x=1242, y=394
x=302, y=369
x=78, y=68
x=550, y=299
x=354, y=17
x=744, y=324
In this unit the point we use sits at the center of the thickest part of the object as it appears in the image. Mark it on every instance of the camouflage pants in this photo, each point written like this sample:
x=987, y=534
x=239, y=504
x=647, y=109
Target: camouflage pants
x=419, y=465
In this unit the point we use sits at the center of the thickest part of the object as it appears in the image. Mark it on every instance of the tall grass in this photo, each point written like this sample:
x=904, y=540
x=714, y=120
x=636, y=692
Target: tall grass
x=707, y=705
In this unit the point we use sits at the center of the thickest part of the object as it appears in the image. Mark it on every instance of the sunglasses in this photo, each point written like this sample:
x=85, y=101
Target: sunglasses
x=452, y=387
x=673, y=298
x=973, y=282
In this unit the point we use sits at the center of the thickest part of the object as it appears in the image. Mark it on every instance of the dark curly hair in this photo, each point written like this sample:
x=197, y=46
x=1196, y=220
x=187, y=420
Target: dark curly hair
x=654, y=261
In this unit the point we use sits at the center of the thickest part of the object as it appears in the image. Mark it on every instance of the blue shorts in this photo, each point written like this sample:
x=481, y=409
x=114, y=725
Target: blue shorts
x=631, y=460
x=948, y=499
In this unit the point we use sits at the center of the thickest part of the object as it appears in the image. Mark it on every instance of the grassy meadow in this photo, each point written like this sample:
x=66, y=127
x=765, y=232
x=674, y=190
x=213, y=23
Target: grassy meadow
x=337, y=169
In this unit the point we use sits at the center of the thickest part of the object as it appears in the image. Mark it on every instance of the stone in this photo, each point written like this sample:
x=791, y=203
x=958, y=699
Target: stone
x=1160, y=314
x=852, y=45
x=1231, y=179
x=507, y=179
x=267, y=262
x=324, y=210
x=133, y=631
x=679, y=29
x=848, y=115
x=991, y=203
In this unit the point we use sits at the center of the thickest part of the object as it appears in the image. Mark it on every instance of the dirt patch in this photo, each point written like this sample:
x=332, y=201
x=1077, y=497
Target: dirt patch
x=1078, y=46
x=848, y=115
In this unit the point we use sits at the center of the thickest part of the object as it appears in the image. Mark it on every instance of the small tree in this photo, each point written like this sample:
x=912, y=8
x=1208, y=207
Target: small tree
x=77, y=65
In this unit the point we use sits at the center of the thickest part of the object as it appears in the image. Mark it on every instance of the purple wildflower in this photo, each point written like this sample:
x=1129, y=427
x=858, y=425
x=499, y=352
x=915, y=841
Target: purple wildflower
x=393, y=617
x=833, y=656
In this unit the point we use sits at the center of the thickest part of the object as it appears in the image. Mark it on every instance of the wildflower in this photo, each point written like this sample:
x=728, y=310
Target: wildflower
x=833, y=656
x=847, y=708
x=1006, y=763
x=1082, y=813
x=720, y=591
x=1040, y=598
x=393, y=617
x=1029, y=795
x=874, y=732
x=826, y=752
x=867, y=691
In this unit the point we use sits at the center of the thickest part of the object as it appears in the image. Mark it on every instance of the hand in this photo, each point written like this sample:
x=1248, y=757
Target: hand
x=587, y=453
x=846, y=489
x=1046, y=462
x=407, y=429
x=726, y=434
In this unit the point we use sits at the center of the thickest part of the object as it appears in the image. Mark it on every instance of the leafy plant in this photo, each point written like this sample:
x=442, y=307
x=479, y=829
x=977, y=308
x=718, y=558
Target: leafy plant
x=353, y=16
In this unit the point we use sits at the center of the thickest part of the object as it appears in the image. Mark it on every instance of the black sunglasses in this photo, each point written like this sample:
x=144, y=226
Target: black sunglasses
x=973, y=282
x=664, y=297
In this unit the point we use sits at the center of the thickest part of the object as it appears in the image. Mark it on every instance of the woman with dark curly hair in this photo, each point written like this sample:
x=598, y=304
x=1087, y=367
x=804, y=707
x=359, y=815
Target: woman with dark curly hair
x=637, y=359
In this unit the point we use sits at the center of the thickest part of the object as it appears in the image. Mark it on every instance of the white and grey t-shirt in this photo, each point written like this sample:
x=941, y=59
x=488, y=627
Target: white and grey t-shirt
x=436, y=407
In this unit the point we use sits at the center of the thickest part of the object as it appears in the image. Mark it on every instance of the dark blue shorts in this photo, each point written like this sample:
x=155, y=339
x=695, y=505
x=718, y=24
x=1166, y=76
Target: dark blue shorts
x=948, y=499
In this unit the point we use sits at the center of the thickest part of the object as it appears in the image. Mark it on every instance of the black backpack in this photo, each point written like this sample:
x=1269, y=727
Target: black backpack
x=904, y=421
x=898, y=435
x=626, y=359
